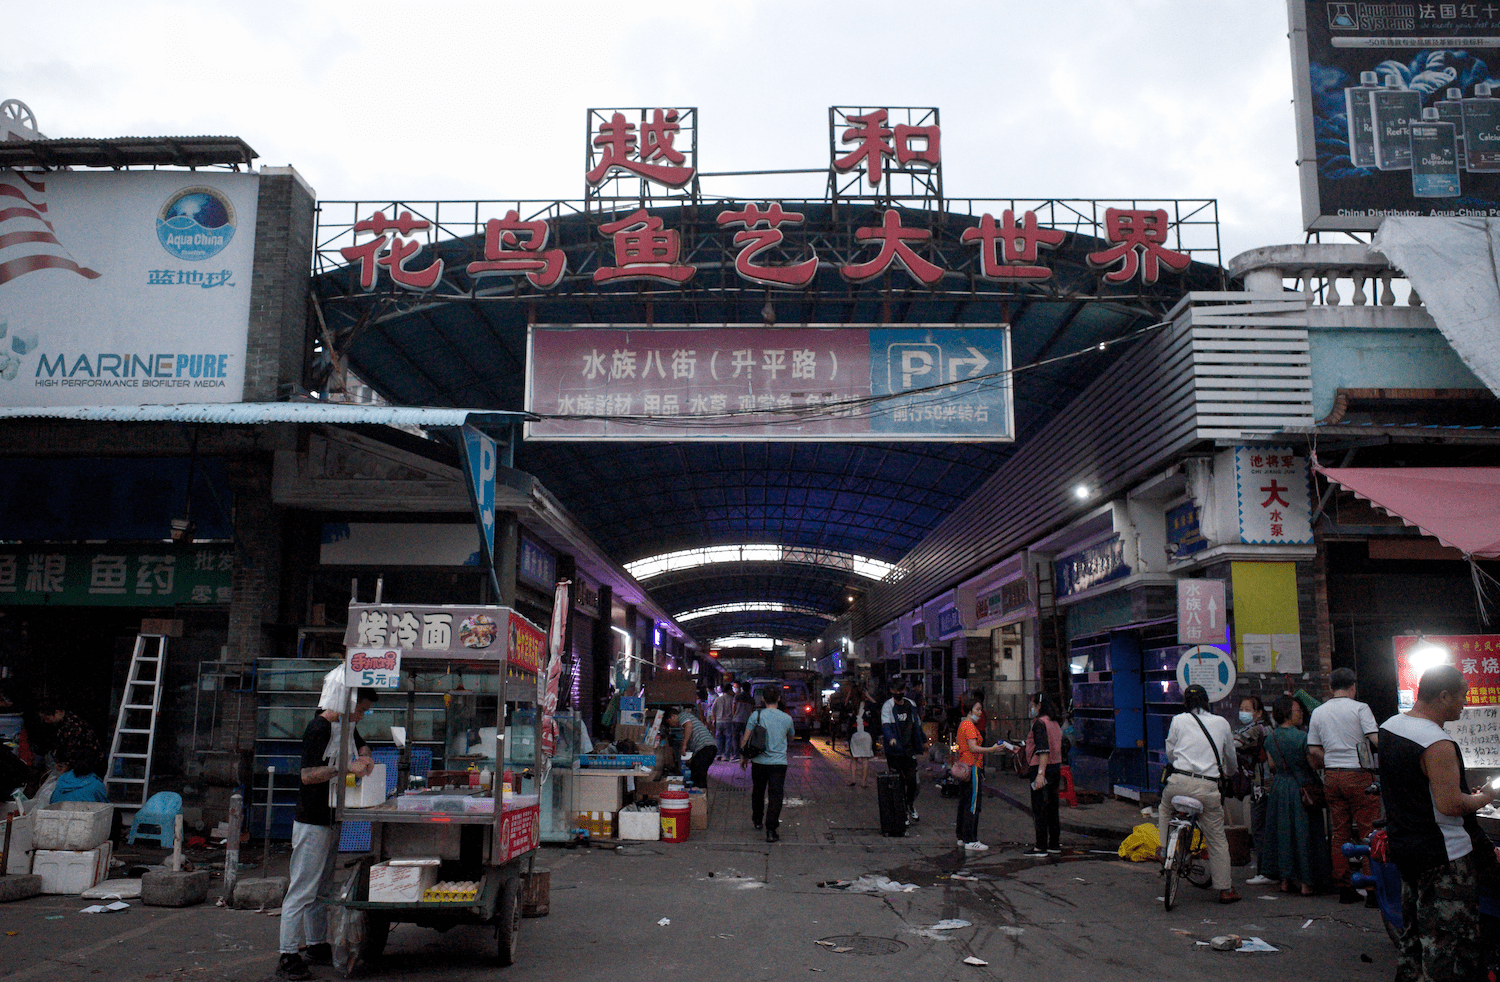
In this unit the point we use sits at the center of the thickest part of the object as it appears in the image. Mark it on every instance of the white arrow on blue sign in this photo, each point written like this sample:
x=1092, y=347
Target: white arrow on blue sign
x=482, y=458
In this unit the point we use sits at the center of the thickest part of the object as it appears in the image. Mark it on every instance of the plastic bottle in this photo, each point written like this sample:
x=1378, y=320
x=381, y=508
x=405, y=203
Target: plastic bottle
x=486, y=778
x=1482, y=131
x=1451, y=110
x=1434, y=157
x=1361, y=124
x=1393, y=109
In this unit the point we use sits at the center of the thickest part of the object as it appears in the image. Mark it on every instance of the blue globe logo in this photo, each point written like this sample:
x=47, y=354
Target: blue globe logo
x=196, y=223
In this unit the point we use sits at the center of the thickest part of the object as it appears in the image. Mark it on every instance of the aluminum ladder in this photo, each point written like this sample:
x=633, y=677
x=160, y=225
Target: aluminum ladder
x=129, y=773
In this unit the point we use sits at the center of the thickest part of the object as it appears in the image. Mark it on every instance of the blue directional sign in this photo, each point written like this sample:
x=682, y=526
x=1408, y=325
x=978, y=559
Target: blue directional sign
x=480, y=451
x=954, y=382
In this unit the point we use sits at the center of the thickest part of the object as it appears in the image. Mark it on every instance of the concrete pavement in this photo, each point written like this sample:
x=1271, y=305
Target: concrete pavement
x=739, y=908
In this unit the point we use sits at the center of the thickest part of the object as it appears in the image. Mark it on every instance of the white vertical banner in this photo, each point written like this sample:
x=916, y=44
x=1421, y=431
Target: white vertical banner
x=547, y=681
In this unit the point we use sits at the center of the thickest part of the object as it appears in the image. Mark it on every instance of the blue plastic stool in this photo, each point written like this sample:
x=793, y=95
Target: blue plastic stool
x=159, y=813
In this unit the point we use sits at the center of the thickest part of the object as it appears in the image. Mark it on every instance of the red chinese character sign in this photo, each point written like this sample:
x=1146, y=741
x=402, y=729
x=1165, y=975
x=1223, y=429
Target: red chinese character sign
x=505, y=254
x=1139, y=248
x=392, y=247
x=645, y=249
x=1274, y=495
x=641, y=143
x=876, y=143
x=756, y=240
x=1009, y=251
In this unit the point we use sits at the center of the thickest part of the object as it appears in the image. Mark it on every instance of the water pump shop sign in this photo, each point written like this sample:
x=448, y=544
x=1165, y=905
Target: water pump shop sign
x=1397, y=110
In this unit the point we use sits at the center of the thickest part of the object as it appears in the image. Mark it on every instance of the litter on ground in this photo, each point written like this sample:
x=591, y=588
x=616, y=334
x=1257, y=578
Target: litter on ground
x=664, y=921
x=871, y=884
x=971, y=960
x=105, y=908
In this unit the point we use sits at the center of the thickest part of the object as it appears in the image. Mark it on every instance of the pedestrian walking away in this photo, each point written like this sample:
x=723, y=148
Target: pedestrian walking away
x=1434, y=838
x=901, y=733
x=971, y=753
x=1044, y=771
x=862, y=714
x=721, y=717
x=315, y=835
x=1200, y=750
x=744, y=705
x=768, y=770
x=1340, y=736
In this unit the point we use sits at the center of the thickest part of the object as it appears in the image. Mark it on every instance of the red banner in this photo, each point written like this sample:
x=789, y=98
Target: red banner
x=1477, y=656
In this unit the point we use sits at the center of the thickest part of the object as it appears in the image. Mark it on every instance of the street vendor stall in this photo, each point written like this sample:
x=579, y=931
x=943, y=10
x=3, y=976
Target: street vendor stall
x=455, y=848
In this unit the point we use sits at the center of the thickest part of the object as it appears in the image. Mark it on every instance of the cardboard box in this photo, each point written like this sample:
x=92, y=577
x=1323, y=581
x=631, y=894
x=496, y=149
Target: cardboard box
x=598, y=791
x=643, y=825
x=600, y=825
x=700, y=802
x=72, y=825
x=632, y=711
x=18, y=860
x=71, y=871
x=360, y=792
x=403, y=881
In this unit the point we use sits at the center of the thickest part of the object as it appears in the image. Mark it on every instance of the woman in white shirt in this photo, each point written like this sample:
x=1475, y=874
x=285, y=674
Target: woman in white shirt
x=1200, y=750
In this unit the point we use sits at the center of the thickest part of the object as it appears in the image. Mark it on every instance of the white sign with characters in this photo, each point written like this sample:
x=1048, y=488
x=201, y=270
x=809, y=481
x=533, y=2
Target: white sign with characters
x=124, y=289
x=1274, y=495
x=373, y=668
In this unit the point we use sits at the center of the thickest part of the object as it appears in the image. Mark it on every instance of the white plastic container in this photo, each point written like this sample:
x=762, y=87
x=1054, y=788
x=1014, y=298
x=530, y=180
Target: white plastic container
x=360, y=792
x=72, y=825
x=643, y=825
x=403, y=881
x=68, y=871
x=18, y=860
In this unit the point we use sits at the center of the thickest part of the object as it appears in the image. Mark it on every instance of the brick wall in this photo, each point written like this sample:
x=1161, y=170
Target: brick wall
x=277, y=345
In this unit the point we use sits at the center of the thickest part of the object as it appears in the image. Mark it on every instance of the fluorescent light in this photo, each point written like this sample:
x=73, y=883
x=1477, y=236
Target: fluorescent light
x=1427, y=654
x=1081, y=492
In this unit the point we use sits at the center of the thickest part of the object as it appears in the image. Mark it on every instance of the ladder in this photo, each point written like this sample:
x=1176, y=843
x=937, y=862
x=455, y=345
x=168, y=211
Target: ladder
x=129, y=771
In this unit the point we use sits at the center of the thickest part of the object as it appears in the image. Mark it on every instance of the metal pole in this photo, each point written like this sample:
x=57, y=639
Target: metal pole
x=232, y=847
x=265, y=853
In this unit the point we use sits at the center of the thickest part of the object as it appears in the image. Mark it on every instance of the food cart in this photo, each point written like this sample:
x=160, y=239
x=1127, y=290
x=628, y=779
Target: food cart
x=485, y=838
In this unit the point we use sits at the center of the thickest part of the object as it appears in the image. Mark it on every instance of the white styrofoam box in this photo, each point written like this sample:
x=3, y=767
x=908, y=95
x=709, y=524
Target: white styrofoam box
x=18, y=860
x=365, y=792
x=71, y=871
x=644, y=824
x=403, y=881
x=72, y=825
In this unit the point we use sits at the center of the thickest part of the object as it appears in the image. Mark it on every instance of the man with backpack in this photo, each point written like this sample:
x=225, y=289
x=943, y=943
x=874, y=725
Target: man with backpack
x=901, y=732
x=768, y=761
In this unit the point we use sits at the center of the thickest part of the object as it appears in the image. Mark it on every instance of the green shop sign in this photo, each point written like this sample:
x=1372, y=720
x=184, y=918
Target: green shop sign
x=104, y=576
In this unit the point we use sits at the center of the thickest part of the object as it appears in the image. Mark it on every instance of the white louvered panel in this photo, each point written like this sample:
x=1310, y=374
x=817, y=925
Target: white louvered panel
x=1225, y=344
x=1250, y=379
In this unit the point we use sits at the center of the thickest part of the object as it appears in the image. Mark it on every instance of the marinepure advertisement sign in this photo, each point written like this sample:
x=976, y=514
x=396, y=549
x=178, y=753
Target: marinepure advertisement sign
x=758, y=383
x=1398, y=113
x=125, y=288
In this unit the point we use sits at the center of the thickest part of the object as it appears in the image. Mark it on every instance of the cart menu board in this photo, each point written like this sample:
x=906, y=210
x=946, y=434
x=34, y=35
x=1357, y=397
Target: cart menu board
x=518, y=833
x=473, y=633
x=1477, y=656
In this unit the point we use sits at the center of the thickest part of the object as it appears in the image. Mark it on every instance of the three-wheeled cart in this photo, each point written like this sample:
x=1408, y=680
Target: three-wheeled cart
x=479, y=835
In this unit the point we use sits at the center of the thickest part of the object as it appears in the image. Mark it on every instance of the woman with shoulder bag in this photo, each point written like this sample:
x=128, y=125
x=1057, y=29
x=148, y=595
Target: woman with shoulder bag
x=1293, y=847
x=969, y=768
x=1200, y=750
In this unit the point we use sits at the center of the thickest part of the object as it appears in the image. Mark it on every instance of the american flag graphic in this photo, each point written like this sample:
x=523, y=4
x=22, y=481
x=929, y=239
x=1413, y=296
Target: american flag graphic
x=28, y=242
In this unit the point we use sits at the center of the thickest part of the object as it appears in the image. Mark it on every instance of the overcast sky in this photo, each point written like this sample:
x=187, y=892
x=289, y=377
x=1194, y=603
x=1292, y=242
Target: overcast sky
x=422, y=101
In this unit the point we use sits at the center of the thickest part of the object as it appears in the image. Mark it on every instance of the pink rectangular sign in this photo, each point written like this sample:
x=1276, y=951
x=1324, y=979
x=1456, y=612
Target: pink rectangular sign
x=760, y=383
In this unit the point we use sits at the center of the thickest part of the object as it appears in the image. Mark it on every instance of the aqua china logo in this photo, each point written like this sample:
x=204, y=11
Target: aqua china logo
x=196, y=223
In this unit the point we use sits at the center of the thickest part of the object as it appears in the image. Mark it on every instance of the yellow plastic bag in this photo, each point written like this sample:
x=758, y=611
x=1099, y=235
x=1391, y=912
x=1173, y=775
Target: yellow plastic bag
x=1141, y=845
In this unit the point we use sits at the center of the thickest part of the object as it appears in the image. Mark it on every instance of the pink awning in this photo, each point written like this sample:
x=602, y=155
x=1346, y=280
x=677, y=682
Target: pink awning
x=1459, y=506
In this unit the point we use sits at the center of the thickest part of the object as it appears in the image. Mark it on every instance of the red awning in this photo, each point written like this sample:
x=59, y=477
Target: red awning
x=1459, y=506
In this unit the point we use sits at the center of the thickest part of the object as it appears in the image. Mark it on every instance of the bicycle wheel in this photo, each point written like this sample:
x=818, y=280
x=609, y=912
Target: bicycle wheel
x=1176, y=868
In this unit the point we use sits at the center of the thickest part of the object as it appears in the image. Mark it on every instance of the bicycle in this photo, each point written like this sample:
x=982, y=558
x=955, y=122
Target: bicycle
x=1180, y=860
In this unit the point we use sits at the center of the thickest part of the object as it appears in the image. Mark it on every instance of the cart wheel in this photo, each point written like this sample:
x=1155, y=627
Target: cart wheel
x=377, y=931
x=508, y=921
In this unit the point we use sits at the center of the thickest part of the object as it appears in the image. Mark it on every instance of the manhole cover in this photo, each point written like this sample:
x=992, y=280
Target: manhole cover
x=860, y=945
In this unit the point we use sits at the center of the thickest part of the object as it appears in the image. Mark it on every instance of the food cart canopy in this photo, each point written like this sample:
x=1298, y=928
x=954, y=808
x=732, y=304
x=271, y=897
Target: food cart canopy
x=1459, y=506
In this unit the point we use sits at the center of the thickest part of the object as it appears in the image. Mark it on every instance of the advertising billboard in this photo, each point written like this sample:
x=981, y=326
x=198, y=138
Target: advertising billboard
x=744, y=382
x=124, y=288
x=1397, y=111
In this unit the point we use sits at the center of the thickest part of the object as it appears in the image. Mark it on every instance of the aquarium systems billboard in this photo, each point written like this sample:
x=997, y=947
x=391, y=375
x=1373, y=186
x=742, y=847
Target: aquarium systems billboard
x=1397, y=111
x=124, y=288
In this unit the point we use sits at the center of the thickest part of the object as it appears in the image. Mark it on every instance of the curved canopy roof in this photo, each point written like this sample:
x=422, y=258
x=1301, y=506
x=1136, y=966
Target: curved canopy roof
x=466, y=345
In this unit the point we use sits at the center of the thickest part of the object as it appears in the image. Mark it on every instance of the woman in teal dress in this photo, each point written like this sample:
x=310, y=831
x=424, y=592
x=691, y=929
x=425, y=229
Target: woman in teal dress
x=1294, y=849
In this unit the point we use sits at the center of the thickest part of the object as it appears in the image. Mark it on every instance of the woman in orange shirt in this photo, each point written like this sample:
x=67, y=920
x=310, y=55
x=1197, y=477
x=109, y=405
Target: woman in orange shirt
x=970, y=755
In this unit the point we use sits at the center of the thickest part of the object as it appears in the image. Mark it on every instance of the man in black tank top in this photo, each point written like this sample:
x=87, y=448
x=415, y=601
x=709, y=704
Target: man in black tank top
x=1435, y=840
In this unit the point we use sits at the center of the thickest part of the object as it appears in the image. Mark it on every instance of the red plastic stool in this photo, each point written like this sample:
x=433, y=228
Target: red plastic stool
x=1066, y=794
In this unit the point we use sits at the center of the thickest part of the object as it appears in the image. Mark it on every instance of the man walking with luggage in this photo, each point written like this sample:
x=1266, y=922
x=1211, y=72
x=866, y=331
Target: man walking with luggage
x=901, y=729
x=1336, y=734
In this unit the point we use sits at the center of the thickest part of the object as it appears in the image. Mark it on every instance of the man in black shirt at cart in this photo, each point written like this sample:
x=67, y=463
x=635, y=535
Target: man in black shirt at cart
x=1435, y=841
x=315, y=839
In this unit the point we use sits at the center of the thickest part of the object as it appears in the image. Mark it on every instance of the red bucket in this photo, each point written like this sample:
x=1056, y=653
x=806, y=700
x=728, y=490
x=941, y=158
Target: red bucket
x=676, y=816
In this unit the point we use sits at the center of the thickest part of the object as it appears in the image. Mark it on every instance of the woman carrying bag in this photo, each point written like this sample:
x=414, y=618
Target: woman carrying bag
x=969, y=768
x=1293, y=847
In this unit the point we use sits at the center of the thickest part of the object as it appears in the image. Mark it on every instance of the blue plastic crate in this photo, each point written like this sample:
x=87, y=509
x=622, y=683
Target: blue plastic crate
x=355, y=836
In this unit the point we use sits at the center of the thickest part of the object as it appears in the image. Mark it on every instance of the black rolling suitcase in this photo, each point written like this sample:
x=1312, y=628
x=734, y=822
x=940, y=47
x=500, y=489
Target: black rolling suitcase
x=891, y=791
